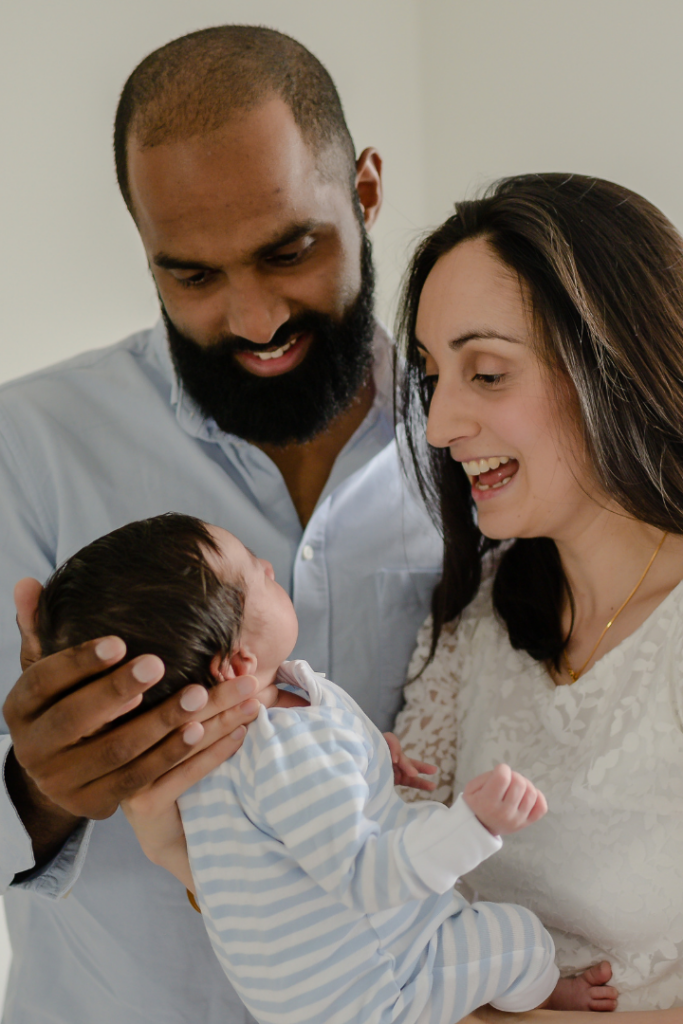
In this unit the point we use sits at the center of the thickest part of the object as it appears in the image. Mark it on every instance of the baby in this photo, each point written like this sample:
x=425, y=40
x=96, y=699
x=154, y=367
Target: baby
x=327, y=899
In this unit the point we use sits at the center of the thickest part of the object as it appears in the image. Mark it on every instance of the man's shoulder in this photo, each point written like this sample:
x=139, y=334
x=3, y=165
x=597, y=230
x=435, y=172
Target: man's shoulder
x=107, y=363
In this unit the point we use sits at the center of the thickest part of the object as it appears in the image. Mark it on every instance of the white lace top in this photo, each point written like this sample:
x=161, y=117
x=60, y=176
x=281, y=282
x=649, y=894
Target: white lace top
x=604, y=869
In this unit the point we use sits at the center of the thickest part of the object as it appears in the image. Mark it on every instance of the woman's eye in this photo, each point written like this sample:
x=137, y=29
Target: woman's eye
x=490, y=379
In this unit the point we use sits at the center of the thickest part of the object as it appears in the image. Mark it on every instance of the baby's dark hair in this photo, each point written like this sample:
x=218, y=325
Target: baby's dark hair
x=151, y=584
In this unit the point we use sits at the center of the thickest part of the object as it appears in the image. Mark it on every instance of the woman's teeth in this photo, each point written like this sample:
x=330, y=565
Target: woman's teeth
x=492, y=487
x=477, y=466
x=278, y=351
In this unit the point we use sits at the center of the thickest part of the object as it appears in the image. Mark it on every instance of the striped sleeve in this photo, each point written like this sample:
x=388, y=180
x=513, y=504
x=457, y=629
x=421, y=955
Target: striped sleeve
x=310, y=791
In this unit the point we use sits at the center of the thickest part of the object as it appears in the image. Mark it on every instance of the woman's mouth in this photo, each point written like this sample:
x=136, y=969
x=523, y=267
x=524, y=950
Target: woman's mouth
x=269, y=362
x=490, y=475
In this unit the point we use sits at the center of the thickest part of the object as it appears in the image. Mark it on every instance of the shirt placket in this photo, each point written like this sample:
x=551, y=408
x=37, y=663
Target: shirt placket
x=311, y=592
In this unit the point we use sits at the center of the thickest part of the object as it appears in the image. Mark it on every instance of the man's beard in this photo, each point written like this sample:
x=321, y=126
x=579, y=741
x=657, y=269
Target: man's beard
x=293, y=407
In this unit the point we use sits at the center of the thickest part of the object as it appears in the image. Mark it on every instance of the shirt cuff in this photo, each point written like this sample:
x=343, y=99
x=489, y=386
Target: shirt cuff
x=56, y=878
x=447, y=844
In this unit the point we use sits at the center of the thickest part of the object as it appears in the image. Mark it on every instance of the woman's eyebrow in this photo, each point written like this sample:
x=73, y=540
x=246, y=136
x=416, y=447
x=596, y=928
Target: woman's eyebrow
x=484, y=333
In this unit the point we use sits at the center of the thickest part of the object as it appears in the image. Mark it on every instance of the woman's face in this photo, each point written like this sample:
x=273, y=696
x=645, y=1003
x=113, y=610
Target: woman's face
x=495, y=405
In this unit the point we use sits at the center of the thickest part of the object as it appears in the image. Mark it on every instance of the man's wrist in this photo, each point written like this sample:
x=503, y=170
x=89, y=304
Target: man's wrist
x=47, y=824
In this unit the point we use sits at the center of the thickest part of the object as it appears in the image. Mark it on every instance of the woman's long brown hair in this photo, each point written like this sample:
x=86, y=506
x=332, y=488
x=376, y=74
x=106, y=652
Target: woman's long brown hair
x=604, y=270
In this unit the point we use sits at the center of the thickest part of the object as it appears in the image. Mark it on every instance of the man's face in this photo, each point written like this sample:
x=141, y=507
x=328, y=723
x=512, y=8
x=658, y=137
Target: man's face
x=263, y=271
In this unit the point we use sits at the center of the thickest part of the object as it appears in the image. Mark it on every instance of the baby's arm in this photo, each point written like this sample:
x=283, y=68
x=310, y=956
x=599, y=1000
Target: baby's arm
x=159, y=830
x=153, y=812
x=504, y=801
x=310, y=790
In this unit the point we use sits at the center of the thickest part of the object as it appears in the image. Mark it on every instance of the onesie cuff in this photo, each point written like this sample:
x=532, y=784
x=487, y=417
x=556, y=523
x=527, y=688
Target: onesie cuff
x=448, y=843
x=531, y=996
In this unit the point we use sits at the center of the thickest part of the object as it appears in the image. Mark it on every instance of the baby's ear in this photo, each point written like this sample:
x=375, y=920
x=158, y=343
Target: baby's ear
x=220, y=668
x=240, y=663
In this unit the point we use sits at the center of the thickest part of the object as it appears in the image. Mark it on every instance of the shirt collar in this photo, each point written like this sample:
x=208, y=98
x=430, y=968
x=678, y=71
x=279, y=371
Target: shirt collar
x=195, y=423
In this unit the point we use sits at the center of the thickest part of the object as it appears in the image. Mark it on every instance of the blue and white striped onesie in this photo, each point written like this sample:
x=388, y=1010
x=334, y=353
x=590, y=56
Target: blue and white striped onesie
x=329, y=900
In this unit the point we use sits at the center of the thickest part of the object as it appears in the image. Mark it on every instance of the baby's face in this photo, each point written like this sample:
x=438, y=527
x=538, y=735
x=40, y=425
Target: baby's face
x=270, y=626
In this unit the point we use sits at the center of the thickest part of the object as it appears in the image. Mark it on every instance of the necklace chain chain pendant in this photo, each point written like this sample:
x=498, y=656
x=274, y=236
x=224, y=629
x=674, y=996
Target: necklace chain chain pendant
x=576, y=675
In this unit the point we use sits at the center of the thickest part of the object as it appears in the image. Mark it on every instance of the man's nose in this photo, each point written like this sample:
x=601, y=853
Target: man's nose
x=449, y=418
x=253, y=311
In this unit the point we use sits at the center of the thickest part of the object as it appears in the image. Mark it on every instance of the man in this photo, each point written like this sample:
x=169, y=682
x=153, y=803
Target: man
x=262, y=404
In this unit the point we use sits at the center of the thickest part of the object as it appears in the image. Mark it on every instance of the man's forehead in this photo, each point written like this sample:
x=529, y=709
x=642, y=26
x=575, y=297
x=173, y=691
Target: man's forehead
x=256, y=161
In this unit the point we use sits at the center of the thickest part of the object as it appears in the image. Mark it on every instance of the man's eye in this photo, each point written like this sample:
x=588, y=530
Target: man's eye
x=196, y=280
x=288, y=257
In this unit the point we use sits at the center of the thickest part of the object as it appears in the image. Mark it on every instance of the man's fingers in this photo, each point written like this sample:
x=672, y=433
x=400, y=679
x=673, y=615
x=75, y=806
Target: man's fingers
x=82, y=714
x=45, y=680
x=26, y=594
x=175, y=782
x=135, y=774
x=223, y=696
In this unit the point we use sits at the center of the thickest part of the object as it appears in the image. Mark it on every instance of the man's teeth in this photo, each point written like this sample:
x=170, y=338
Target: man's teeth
x=277, y=352
x=477, y=466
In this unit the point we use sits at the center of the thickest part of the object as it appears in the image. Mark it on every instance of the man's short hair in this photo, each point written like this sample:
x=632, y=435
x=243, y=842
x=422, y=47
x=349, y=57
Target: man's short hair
x=195, y=84
x=151, y=584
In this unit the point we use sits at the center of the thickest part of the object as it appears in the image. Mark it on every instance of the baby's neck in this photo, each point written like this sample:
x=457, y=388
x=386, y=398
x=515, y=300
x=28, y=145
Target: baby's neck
x=287, y=699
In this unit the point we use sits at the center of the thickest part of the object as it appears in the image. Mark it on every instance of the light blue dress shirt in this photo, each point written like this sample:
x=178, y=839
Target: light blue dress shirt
x=100, y=934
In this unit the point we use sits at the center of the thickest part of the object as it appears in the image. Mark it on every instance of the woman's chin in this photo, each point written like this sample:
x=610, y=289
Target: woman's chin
x=496, y=531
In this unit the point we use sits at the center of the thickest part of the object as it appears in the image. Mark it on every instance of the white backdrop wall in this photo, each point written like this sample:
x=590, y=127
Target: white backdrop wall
x=452, y=92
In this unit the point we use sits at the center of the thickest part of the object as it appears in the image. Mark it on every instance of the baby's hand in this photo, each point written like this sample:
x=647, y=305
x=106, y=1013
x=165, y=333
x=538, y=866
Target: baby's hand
x=504, y=801
x=587, y=991
x=406, y=771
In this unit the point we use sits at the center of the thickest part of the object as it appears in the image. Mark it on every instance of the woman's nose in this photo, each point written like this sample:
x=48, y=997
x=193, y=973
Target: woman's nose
x=449, y=419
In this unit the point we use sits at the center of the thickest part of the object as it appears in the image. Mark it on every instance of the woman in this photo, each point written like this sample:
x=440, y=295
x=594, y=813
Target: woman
x=544, y=336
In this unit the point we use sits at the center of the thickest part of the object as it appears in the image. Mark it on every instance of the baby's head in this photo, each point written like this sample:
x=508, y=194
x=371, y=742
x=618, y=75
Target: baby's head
x=176, y=587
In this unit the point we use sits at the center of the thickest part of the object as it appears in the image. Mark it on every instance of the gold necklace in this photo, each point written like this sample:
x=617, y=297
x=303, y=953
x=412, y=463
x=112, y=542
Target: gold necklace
x=576, y=675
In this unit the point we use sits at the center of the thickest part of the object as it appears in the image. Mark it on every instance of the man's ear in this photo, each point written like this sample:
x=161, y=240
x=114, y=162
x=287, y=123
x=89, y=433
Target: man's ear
x=240, y=663
x=369, y=184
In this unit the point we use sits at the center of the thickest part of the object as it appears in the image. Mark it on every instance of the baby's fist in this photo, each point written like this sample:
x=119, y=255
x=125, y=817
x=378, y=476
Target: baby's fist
x=504, y=801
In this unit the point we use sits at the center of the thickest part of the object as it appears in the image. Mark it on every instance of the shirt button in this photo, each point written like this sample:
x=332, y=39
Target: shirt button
x=307, y=552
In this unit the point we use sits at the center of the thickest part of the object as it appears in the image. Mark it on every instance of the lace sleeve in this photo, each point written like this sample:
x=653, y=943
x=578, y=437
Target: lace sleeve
x=426, y=726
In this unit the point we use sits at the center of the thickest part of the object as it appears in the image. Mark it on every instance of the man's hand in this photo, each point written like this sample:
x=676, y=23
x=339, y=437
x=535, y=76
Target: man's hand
x=406, y=771
x=67, y=764
x=504, y=801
